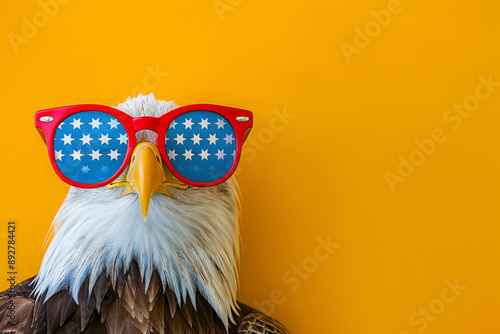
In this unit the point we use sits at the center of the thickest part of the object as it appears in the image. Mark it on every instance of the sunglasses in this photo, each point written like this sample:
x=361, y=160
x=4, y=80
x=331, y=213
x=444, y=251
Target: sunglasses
x=90, y=145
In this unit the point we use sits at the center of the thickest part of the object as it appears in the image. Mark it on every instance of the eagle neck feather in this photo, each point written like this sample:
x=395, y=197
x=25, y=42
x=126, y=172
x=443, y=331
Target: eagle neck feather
x=191, y=242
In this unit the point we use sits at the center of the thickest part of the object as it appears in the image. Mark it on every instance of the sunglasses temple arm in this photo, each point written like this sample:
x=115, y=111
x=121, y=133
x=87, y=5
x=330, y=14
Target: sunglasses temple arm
x=247, y=132
x=42, y=134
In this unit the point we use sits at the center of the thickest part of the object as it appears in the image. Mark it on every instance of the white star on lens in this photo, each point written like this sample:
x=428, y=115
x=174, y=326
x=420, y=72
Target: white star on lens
x=220, y=154
x=86, y=139
x=59, y=155
x=113, y=123
x=76, y=155
x=60, y=125
x=204, y=123
x=95, y=155
x=234, y=154
x=187, y=154
x=171, y=154
x=229, y=139
x=172, y=125
x=114, y=154
x=196, y=139
x=204, y=154
x=95, y=123
x=67, y=139
x=220, y=123
x=123, y=139
x=104, y=139
x=188, y=123
x=212, y=139
x=180, y=139
x=76, y=123
x=85, y=169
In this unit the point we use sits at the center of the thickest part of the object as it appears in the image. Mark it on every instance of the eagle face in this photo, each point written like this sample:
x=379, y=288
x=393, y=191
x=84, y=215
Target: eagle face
x=188, y=235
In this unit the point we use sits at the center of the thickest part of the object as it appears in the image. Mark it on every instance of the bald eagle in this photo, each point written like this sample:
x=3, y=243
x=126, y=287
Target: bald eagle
x=134, y=256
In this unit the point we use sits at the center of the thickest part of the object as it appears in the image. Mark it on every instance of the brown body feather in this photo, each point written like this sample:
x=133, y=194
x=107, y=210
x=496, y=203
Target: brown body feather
x=122, y=305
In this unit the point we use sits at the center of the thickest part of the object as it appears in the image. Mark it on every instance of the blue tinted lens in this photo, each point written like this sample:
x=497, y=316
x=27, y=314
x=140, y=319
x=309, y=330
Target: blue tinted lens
x=201, y=146
x=90, y=146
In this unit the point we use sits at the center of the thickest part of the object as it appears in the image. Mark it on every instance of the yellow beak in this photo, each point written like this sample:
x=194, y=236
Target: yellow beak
x=146, y=176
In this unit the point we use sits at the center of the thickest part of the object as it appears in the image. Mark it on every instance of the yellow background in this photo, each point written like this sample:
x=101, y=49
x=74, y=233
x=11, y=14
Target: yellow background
x=321, y=174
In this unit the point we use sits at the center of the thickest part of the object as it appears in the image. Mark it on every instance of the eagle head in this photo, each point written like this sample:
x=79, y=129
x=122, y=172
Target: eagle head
x=188, y=235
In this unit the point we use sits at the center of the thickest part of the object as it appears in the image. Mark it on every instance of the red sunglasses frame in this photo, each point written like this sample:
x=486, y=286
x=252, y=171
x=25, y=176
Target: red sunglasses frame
x=47, y=121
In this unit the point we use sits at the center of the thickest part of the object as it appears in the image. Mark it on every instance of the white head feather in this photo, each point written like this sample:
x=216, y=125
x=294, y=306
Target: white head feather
x=192, y=240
